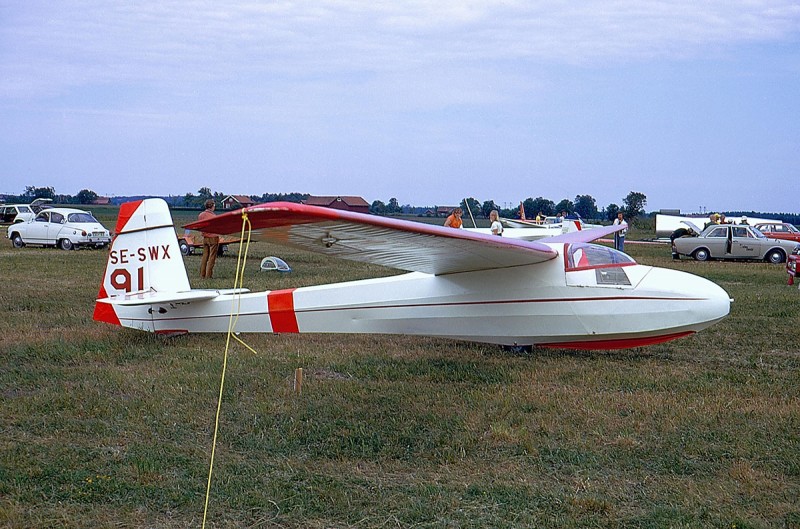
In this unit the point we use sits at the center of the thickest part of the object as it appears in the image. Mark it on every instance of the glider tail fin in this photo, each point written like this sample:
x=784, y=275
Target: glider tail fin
x=144, y=257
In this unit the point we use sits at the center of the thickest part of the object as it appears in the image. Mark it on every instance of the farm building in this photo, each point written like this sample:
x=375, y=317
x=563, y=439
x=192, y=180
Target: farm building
x=357, y=204
x=237, y=201
x=443, y=211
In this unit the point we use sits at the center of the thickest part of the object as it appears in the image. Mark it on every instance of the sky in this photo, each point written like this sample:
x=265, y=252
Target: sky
x=694, y=104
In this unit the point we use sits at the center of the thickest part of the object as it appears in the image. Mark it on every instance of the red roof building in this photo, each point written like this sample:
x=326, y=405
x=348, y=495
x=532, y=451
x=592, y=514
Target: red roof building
x=237, y=201
x=357, y=204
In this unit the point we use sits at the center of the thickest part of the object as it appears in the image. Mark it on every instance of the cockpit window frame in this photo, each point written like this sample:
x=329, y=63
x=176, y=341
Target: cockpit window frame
x=568, y=252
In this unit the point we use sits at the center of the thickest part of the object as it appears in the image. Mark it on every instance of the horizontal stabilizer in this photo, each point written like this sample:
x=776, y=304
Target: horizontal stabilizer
x=148, y=298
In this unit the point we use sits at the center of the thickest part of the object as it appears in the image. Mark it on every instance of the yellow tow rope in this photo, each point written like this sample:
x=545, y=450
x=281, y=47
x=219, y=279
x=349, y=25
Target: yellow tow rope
x=234, y=317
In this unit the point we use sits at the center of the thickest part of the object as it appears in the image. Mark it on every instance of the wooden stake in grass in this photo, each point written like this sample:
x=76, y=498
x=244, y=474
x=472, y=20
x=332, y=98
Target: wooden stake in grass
x=298, y=380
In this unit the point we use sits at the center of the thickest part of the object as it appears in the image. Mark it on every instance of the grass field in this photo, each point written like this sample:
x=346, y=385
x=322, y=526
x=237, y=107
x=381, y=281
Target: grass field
x=107, y=427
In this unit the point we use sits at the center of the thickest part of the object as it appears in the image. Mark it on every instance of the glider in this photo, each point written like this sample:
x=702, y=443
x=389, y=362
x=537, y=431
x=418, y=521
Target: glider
x=559, y=292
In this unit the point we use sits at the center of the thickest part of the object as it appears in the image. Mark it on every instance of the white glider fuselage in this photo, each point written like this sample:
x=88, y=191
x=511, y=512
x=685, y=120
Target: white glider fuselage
x=551, y=303
x=512, y=306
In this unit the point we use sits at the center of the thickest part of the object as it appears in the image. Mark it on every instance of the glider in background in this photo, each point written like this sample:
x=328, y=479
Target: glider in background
x=559, y=292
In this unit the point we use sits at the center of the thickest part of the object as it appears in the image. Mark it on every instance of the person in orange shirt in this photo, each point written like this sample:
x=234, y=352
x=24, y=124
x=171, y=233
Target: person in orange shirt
x=210, y=244
x=454, y=220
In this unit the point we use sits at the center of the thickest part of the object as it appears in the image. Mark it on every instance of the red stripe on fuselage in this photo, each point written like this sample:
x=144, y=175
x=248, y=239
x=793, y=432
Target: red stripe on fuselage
x=281, y=310
x=622, y=343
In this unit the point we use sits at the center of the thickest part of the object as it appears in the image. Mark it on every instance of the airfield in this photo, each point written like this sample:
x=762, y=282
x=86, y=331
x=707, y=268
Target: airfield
x=109, y=427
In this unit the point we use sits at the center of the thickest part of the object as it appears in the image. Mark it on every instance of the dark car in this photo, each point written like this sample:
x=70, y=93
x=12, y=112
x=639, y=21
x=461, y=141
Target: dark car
x=732, y=241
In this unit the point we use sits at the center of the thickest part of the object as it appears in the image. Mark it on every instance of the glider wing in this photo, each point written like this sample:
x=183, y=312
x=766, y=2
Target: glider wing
x=400, y=244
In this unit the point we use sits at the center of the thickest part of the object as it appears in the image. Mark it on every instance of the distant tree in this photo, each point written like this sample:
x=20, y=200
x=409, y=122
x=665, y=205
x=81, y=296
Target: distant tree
x=205, y=193
x=509, y=213
x=565, y=205
x=487, y=208
x=534, y=206
x=471, y=205
x=86, y=196
x=634, y=204
x=393, y=207
x=281, y=197
x=585, y=206
x=611, y=211
x=378, y=208
x=32, y=192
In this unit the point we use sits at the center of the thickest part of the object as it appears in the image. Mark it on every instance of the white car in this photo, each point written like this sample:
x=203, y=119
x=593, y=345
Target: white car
x=12, y=213
x=65, y=228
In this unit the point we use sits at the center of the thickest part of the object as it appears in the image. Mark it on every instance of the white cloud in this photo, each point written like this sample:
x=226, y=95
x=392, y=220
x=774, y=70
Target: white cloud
x=50, y=47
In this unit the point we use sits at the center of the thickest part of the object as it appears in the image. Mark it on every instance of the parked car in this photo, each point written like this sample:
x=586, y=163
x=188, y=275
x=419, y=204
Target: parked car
x=791, y=265
x=779, y=230
x=732, y=241
x=11, y=213
x=65, y=228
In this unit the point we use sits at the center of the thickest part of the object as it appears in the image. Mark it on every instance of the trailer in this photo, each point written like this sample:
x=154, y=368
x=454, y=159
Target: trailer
x=191, y=241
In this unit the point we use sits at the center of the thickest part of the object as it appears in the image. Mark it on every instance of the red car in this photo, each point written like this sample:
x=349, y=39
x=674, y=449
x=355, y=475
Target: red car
x=779, y=230
x=791, y=265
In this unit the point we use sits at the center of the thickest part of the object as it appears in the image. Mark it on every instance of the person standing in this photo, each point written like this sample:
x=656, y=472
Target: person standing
x=619, y=236
x=210, y=244
x=454, y=220
x=497, y=227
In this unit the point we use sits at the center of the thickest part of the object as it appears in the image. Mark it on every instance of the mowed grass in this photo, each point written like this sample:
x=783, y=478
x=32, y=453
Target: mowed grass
x=108, y=427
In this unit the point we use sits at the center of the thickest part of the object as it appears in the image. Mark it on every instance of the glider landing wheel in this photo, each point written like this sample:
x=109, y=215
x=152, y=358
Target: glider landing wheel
x=701, y=254
x=518, y=349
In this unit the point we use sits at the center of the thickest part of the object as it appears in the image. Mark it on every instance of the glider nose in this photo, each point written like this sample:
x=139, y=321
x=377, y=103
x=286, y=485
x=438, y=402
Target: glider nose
x=701, y=301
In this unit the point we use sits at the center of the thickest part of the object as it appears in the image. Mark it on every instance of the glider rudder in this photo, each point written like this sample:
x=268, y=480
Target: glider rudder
x=144, y=257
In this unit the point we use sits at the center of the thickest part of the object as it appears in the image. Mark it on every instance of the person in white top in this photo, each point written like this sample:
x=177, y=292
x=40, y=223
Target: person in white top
x=497, y=227
x=619, y=237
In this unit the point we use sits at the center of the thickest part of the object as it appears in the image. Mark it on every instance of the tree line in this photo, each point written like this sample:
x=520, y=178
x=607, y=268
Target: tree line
x=31, y=193
x=584, y=206
x=189, y=200
x=632, y=205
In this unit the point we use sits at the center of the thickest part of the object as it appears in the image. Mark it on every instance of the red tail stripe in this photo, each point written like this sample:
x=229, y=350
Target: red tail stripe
x=103, y=311
x=126, y=211
x=281, y=310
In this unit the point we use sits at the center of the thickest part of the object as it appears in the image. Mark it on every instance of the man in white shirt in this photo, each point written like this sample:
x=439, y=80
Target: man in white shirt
x=619, y=237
